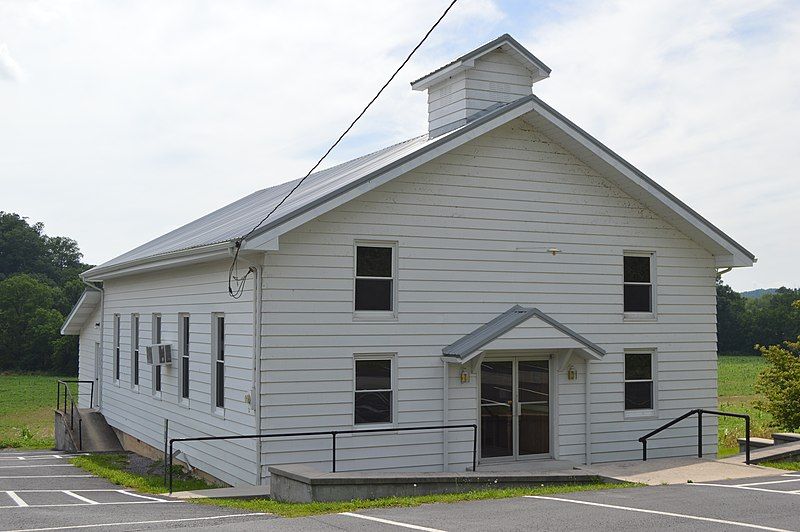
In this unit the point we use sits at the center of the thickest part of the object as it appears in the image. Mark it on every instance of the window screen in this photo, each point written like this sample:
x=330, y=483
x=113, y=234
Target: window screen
x=374, y=278
x=638, y=289
x=638, y=381
x=373, y=394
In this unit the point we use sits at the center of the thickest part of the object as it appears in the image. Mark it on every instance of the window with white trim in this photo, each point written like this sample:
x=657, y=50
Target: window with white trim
x=218, y=362
x=374, y=390
x=116, y=347
x=638, y=283
x=183, y=333
x=639, y=383
x=375, y=277
x=135, y=350
x=156, y=336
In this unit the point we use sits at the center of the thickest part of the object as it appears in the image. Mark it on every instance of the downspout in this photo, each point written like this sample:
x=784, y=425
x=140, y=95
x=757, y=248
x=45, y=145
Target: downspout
x=588, y=414
x=445, y=416
x=256, y=398
x=255, y=389
x=98, y=381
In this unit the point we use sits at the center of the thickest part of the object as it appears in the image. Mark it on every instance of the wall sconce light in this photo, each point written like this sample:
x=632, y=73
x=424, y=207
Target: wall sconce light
x=572, y=373
x=553, y=251
x=464, y=376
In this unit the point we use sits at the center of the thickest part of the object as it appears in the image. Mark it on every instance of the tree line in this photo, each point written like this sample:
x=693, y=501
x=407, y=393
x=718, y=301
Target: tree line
x=39, y=284
x=743, y=323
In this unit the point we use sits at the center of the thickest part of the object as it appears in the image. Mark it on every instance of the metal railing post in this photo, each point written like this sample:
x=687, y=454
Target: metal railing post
x=170, y=466
x=644, y=450
x=333, y=451
x=474, y=447
x=80, y=434
x=58, y=394
x=71, y=414
x=166, y=441
x=747, y=440
x=699, y=433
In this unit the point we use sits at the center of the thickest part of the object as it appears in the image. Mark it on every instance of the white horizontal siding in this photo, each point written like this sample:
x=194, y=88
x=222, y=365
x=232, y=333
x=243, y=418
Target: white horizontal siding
x=200, y=290
x=473, y=228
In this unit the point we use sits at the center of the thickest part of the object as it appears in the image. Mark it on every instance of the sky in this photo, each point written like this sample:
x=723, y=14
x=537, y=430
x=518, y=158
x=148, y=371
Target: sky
x=120, y=121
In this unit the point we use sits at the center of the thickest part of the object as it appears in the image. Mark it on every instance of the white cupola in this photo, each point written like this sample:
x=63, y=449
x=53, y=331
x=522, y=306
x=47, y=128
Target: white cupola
x=498, y=72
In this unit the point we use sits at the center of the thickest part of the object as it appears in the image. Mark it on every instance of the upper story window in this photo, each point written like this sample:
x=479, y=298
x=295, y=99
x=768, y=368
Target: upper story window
x=375, y=284
x=638, y=274
x=156, y=336
x=135, y=349
x=374, y=396
x=183, y=325
x=116, y=346
x=218, y=367
x=639, y=384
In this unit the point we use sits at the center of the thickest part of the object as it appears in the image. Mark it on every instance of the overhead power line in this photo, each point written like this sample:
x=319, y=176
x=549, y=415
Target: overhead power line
x=236, y=292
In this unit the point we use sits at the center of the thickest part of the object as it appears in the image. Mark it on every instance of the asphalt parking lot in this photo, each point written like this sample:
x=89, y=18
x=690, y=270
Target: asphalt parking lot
x=42, y=491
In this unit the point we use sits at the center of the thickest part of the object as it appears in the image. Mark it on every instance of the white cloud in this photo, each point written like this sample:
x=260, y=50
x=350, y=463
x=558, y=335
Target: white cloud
x=133, y=106
x=9, y=68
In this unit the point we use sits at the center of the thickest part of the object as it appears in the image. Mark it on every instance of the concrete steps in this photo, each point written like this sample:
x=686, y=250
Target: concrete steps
x=782, y=445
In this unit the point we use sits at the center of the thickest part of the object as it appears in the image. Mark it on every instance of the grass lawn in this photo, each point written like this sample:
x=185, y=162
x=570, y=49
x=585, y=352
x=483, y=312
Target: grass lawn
x=783, y=464
x=26, y=410
x=737, y=377
x=287, y=509
x=148, y=478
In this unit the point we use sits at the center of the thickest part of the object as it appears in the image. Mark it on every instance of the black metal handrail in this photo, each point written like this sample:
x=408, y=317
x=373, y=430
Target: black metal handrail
x=332, y=434
x=68, y=392
x=700, y=412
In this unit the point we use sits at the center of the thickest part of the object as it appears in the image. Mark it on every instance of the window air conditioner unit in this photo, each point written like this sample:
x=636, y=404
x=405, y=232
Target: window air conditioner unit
x=159, y=354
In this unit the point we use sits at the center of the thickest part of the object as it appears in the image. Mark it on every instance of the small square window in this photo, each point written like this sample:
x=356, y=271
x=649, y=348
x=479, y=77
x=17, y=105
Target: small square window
x=373, y=391
x=639, y=387
x=638, y=284
x=374, y=279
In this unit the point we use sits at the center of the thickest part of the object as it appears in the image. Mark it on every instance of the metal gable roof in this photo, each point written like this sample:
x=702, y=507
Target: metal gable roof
x=236, y=219
x=472, y=342
x=223, y=226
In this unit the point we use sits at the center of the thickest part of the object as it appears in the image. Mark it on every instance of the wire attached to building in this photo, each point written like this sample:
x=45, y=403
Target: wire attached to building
x=233, y=278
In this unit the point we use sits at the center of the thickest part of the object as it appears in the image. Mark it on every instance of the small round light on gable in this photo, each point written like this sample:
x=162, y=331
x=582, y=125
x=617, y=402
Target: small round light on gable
x=553, y=251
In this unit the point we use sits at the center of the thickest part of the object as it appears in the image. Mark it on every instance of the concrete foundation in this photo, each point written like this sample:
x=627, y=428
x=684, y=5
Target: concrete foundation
x=299, y=483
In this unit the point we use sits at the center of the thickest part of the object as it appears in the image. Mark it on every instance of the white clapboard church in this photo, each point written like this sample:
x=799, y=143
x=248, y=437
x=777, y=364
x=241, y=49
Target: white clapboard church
x=504, y=268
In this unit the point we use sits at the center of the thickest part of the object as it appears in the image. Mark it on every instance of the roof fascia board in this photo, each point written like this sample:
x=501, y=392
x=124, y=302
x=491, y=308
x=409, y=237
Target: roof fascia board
x=449, y=70
x=440, y=146
x=741, y=256
x=159, y=262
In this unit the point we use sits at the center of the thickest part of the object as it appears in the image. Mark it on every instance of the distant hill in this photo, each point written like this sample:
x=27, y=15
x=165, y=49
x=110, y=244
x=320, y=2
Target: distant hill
x=758, y=292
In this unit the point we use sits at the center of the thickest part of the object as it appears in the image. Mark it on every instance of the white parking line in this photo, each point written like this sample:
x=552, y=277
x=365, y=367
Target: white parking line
x=124, y=492
x=129, y=523
x=93, y=504
x=735, y=487
x=43, y=465
x=16, y=498
x=657, y=512
x=388, y=522
x=770, y=482
x=79, y=497
x=49, y=476
x=40, y=457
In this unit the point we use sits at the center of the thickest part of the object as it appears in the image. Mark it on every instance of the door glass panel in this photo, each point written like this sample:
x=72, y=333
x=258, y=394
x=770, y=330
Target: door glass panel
x=497, y=385
x=534, y=406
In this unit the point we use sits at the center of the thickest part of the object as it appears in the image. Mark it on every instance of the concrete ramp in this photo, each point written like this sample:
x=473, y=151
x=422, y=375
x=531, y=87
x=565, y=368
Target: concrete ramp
x=86, y=431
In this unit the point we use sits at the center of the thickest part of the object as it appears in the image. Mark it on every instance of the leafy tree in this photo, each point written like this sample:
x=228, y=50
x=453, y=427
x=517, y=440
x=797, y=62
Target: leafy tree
x=779, y=383
x=733, y=332
x=28, y=322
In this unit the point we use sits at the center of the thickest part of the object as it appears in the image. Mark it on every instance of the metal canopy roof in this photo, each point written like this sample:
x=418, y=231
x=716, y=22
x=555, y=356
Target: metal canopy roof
x=81, y=312
x=472, y=342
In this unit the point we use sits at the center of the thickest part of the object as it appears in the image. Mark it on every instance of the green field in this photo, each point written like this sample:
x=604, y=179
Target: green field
x=737, y=376
x=27, y=401
x=26, y=410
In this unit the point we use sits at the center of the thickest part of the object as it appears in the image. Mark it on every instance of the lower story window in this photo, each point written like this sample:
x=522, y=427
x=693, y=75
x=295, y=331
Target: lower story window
x=639, y=389
x=374, y=395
